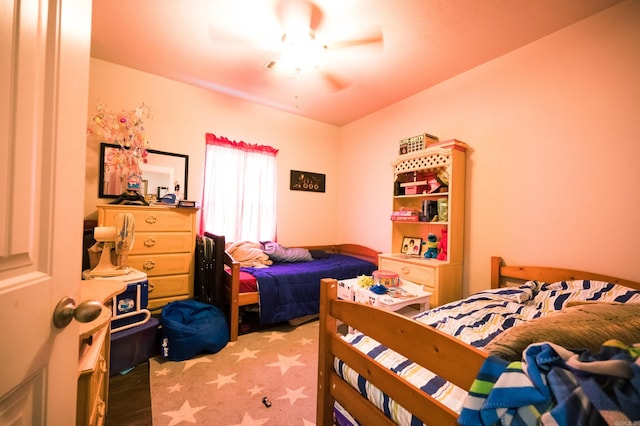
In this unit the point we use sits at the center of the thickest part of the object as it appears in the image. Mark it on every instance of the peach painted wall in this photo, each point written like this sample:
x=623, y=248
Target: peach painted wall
x=183, y=114
x=554, y=131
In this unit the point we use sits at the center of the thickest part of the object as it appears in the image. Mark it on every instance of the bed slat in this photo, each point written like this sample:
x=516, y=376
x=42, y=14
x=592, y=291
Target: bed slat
x=360, y=408
x=422, y=405
x=420, y=343
x=447, y=357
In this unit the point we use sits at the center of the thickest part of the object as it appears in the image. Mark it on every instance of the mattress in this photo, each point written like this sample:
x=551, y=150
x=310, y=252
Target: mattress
x=248, y=283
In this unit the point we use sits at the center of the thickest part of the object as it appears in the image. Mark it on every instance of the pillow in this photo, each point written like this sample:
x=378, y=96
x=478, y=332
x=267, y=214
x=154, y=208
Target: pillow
x=279, y=253
x=584, y=326
x=554, y=296
x=319, y=254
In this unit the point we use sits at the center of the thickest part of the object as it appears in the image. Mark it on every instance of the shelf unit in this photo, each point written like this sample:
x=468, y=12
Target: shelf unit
x=443, y=278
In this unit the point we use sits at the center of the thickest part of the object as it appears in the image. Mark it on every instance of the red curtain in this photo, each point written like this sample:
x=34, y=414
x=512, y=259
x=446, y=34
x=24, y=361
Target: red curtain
x=221, y=141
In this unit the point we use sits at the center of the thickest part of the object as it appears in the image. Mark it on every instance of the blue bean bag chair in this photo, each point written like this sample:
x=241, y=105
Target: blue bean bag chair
x=190, y=327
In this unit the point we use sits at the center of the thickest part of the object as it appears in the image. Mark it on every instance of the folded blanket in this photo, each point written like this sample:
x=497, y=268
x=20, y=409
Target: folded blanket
x=249, y=254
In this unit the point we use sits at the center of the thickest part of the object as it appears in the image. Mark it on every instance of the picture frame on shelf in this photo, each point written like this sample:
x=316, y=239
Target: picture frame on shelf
x=411, y=246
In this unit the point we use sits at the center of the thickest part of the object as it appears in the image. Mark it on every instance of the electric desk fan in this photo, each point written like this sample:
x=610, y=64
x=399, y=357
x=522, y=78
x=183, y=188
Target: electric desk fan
x=130, y=307
x=118, y=238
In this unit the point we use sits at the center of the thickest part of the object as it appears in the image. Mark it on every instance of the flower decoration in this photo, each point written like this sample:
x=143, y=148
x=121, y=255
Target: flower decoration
x=127, y=130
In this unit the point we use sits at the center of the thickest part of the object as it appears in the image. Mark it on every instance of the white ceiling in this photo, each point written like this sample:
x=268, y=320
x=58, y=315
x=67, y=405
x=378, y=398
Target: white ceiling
x=219, y=45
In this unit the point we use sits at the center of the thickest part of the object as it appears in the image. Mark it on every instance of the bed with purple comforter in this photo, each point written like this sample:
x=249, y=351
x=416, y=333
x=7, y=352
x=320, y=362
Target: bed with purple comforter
x=292, y=290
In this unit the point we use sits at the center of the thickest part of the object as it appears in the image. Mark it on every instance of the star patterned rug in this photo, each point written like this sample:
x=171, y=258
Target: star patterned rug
x=266, y=377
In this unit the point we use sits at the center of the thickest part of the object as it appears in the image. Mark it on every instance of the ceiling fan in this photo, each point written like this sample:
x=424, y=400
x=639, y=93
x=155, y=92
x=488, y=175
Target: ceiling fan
x=301, y=46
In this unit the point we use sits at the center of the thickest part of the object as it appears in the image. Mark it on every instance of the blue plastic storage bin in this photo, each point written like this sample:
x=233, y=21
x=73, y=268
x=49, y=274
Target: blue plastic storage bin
x=133, y=346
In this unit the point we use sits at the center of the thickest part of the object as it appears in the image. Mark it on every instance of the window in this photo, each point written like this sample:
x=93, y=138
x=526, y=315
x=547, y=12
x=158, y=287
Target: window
x=239, y=199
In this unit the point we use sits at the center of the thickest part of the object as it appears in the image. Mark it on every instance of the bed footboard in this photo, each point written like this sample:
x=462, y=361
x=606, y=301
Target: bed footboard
x=432, y=349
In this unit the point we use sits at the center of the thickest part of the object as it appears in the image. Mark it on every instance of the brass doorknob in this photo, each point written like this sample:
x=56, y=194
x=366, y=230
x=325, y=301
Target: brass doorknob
x=66, y=310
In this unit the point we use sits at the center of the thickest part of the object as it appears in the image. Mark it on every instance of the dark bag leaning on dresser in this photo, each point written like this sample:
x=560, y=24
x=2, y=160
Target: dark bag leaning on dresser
x=209, y=269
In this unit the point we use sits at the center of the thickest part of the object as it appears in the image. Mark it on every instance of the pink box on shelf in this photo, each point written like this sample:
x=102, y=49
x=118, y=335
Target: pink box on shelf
x=418, y=188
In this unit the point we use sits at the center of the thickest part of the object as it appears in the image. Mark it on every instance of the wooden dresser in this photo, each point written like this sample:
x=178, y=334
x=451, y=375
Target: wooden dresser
x=93, y=360
x=164, y=243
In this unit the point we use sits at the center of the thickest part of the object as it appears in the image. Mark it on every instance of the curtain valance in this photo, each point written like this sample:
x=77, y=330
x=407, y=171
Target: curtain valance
x=221, y=141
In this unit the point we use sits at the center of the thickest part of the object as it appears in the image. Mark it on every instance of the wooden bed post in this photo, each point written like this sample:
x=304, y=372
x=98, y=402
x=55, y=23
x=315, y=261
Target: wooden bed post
x=327, y=326
x=232, y=290
x=496, y=263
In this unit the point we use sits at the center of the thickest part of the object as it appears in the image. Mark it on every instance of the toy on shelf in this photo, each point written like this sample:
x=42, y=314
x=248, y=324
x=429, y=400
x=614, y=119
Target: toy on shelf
x=442, y=245
x=432, y=247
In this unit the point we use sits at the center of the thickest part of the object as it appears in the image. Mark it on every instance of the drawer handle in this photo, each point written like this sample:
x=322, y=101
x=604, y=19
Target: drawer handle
x=151, y=287
x=149, y=264
x=405, y=270
x=151, y=219
x=149, y=242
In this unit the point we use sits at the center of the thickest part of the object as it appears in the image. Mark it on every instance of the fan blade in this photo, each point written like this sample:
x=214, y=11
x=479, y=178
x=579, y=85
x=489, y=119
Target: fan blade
x=336, y=84
x=339, y=44
x=298, y=14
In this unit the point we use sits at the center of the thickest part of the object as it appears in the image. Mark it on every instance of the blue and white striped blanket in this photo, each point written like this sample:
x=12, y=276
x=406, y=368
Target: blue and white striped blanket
x=475, y=320
x=555, y=386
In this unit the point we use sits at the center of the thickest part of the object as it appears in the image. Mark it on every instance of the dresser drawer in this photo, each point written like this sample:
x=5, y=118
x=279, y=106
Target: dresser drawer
x=421, y=274
x=93, y=378
x=162, y=264
x=170, y=285
x=162, y=242
x=151, y=219
x=96, y=392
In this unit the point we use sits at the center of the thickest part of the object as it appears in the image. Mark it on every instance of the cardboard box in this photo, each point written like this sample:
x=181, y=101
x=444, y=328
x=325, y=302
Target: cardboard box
x=366, y=296
x=346, y=289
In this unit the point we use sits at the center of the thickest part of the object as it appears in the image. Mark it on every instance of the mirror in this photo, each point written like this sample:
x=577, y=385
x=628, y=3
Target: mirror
x=163, y=173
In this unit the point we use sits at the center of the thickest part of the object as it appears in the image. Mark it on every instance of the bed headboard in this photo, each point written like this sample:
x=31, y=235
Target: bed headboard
x=503, y=275
x=354, y=250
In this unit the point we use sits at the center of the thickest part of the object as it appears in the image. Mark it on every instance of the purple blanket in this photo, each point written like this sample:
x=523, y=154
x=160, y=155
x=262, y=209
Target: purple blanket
x=292, y=290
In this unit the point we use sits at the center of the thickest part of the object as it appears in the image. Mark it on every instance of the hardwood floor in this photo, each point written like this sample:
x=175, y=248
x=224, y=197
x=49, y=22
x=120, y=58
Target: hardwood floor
x=130, y=398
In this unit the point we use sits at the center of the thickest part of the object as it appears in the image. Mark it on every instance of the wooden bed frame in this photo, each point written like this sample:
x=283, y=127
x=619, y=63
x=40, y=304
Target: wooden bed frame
x=442, y=354
x=235, y=299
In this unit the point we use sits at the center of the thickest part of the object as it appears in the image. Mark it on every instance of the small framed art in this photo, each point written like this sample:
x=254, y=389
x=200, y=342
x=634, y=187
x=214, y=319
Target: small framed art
x=307, y=181
x=411, y=245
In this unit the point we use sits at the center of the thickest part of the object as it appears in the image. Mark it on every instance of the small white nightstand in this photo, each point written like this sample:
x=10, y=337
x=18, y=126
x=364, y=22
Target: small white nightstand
x=350, y=290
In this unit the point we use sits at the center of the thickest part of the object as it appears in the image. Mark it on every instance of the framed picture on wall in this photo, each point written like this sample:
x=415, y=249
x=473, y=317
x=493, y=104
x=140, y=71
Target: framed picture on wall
x=307, y=181
x=411, y=245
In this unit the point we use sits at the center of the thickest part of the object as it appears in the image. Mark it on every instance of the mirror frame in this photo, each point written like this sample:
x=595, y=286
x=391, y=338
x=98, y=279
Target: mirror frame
x=103, y=148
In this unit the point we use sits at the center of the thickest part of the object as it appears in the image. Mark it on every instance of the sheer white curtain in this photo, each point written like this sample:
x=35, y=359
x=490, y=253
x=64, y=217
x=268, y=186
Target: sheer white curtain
x=239, y=199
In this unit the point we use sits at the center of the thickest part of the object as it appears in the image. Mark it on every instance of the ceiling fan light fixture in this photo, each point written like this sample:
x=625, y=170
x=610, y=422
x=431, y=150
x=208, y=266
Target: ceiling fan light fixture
x=300, y=51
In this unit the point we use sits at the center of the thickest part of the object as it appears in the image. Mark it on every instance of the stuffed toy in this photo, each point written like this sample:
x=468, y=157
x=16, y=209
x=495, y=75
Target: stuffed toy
x=442, y=245
x=432, y=247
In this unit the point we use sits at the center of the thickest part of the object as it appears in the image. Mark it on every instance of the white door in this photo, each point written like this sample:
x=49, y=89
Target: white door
x=44, y=80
